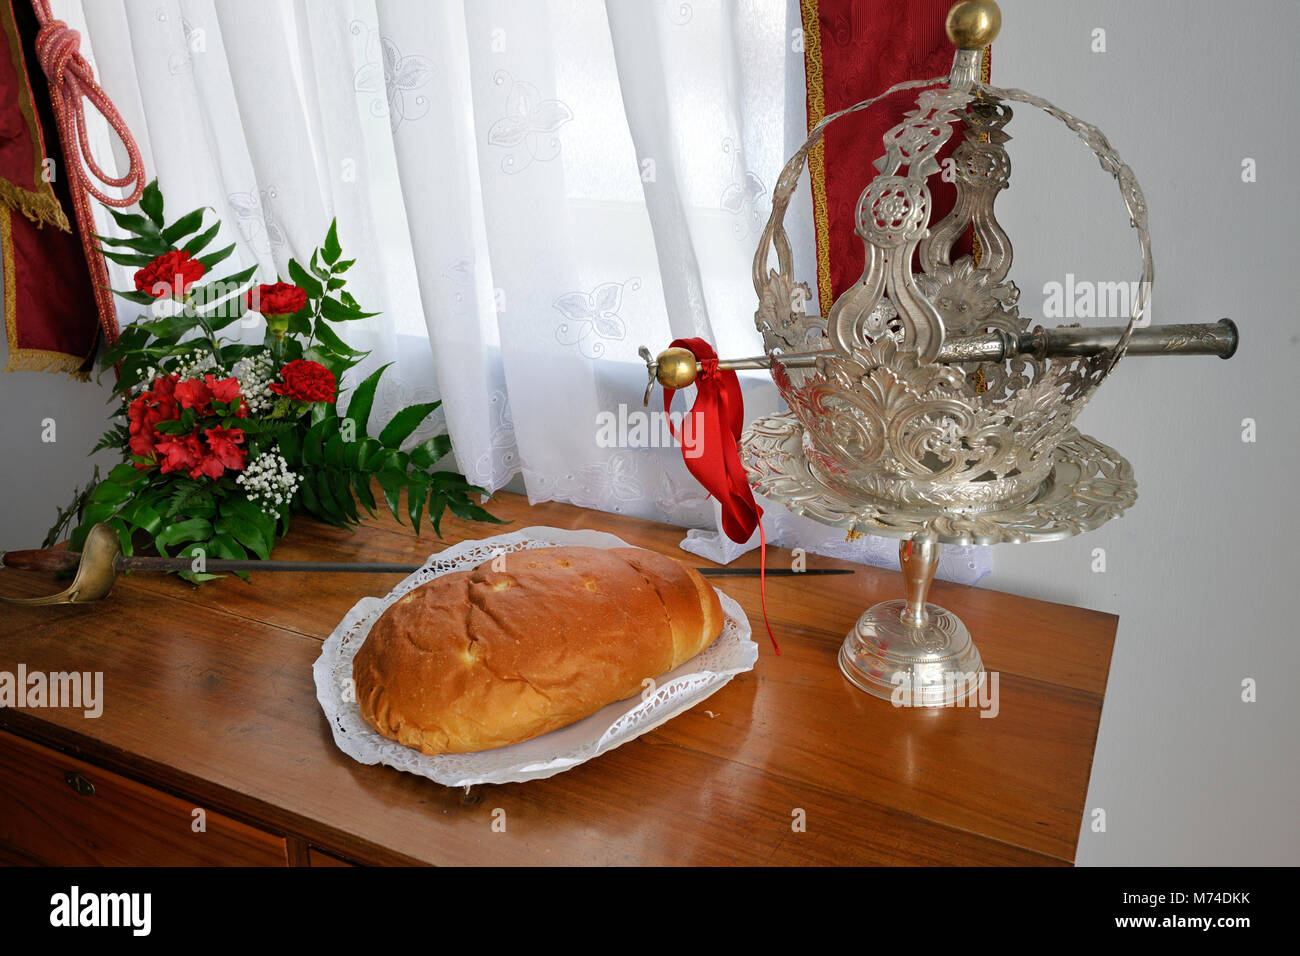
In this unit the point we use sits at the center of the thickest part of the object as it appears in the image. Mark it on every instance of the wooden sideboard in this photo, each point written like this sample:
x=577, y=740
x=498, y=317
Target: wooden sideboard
x=212, y=749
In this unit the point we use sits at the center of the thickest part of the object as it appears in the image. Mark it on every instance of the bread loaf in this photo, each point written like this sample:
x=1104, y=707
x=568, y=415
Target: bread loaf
x=484, y=658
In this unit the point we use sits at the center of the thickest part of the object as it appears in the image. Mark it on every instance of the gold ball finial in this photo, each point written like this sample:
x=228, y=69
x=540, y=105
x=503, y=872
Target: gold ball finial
x=973, y=24
x=676, y=368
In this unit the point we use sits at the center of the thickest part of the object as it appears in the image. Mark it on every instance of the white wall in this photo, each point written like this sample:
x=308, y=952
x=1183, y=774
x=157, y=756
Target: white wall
x=37, y=477
x=1202, y=570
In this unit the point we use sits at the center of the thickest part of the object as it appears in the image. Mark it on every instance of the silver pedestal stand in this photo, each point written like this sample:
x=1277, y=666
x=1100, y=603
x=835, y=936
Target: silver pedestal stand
x=911, y=651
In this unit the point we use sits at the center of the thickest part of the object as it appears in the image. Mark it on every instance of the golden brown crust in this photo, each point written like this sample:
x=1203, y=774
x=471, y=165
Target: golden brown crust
x=485, y=658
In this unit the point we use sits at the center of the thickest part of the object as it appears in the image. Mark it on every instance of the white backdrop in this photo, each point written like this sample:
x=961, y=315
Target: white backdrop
x=532, y=189
x=1202, y=570
x=480, y=159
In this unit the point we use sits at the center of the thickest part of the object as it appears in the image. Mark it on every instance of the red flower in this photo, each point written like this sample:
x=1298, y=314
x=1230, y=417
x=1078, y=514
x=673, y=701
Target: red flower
x=283, y=298
x=199, y=459
x=164, y=387
x=306, y=381
x=224, y=444
x=186, y=453
x=147, y=410
x=195, y=394
x=225, y=390
x=180, y=453
x=209, y=466
x=170, y=274
x=143, y=418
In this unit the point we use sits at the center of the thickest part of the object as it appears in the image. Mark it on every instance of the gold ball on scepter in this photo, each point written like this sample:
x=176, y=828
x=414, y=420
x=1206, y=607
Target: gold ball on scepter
x=973, y=24
x=676, y=368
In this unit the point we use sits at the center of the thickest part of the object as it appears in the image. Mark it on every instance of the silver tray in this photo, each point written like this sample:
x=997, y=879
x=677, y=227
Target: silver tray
x=1088, y=485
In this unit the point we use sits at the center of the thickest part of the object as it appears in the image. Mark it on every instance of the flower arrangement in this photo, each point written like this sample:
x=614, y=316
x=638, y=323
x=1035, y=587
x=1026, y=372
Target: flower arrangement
x=222, y=440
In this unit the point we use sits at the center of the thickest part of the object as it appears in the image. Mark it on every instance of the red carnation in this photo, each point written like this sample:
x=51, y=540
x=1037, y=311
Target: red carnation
x=306, y=381
x=170, y=274
x=283, y=298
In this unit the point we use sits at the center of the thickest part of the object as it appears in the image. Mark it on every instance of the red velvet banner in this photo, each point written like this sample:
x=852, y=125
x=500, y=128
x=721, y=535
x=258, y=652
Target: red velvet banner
x=56, y=295
x=854, y=50
x=51, y=310
x=24, y=183
x=50, y=316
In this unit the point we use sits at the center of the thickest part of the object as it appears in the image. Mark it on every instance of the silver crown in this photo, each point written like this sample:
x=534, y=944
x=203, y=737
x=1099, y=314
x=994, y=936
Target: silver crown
x=883, y=421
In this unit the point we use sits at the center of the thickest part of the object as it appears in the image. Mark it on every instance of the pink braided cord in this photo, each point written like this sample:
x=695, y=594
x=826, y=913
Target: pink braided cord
x=58, y=50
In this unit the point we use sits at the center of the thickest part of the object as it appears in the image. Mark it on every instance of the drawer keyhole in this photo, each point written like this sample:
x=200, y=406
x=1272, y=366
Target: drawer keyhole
x=79, y=783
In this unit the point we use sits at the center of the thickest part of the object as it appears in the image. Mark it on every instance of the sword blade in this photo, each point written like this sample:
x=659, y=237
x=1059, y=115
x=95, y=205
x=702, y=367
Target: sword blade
x=67, y=561
x=771, y=572
x=218, y=565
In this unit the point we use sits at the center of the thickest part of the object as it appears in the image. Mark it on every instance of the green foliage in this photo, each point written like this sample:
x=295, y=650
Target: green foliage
x=70, y=517
x=336, y=459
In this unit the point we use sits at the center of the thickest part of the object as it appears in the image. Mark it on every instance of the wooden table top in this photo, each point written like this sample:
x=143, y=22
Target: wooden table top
x=209, y=691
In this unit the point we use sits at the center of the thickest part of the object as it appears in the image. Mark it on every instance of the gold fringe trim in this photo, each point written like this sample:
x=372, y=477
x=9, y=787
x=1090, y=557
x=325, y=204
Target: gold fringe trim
x=41, y=360
x=30, y=360
x=40, y=207
x=817, y=156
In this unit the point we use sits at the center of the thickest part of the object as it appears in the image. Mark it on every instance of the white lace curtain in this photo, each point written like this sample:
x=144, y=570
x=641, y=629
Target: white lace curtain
x=532, y=190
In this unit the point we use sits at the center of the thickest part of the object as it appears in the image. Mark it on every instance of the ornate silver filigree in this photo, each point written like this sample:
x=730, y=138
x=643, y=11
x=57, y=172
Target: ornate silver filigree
x=781, y=317
x=1089, y=484
x=882, y=420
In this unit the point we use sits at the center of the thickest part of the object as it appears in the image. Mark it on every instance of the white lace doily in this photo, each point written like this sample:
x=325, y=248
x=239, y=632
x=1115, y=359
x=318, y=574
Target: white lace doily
x=675, y=692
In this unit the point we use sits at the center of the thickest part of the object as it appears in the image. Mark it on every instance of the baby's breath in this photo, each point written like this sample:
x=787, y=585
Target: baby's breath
x=268, y=482
x=255, y=374
x=196, y=364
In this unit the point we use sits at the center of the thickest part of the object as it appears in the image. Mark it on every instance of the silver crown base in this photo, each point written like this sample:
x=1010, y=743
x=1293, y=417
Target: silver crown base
x=934, y=664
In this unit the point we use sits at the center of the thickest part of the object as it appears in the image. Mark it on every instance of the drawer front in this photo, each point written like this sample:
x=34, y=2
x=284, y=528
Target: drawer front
x=66, y=812
x=317, y=857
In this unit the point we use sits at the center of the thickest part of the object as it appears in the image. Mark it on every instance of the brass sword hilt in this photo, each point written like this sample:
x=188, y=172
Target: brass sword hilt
x=96, y=571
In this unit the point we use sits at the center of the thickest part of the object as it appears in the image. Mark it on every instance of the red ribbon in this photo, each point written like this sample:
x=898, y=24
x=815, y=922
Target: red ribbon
x=71, y=81
x=711, y=451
